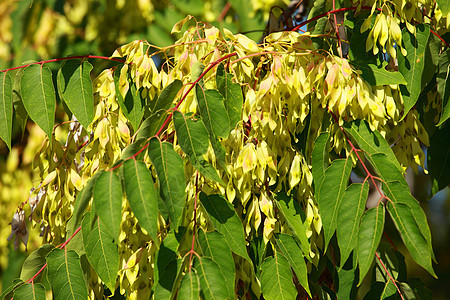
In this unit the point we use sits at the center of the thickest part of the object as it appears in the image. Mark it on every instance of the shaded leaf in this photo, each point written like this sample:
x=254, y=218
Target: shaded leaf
x=443, y=85
x=276, y=278
x=132, y=104
x=194, y=141
x=35, y=291
x=349, y=216
x=330, y=194
x=347, y=280
x=108, y=201
x=6, y=108
x=38, y=96
x=66, y=275
x=411, y=235
x=75, y=88
x=319, y=160
x=232, y=94
x=292, y=252
x=167, y=96
x=369, y=236
x=438, y=158
x=212, y=282
x=226, y=221
x=170, y=170
x=150, y=126
x=101, y=251
x=141, y=194
x=214, y=246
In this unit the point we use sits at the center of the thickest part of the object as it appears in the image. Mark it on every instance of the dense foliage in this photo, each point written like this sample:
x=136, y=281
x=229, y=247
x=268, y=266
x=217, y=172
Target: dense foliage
x=238, y=168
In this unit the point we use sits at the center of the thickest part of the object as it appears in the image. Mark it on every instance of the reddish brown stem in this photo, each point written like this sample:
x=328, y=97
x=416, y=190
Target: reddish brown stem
x=63, y=58
x=389, y=275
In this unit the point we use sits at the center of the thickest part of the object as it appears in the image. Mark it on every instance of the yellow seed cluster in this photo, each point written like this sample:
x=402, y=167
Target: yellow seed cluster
x=286, y=86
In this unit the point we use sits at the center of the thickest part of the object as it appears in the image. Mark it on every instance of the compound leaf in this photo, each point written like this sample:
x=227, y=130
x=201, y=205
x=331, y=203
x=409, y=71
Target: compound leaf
x=276, y=278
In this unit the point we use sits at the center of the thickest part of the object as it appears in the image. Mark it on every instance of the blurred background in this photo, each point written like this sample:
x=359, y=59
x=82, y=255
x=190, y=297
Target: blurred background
x=45, y=29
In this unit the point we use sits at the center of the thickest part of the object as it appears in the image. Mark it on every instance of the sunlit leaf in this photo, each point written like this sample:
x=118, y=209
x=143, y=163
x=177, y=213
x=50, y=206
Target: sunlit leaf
x=232, y=94
x=378, y=75
x=189, y=286
x=226, y=221
x=213, y=112
x=276, y=278
x=141, y=194
x=6, y=108
x=212, y=282
x=194, y=141
x=66, y=275
x=412, y=66
x=443, y=85
x=369, y=236
x=320, y=159
x=108, y=201
x=169, y=167
x=292, y=252
x=330, y=194
x=30, y=291
x=349, y=215
x=101, y=251
x=214, y=246
x=38, y=96
x=295, y=219
x=34, y=262
x=75, y=87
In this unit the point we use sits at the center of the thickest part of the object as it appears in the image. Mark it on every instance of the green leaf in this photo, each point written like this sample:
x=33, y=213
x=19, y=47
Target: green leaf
x=226, y=221
x=317, y=27
x=35, y=291
x=276, y=278
x=349, y=215
x=6, y=109
x=292, y=252
x=295, y=219
x=232, y=95
x=133, y=104
x=444, y=6
x=330, y=194
x=167, y=96
x=38, y=96
x=75, y=87
x=194, y=141
x=443, y=85
x=66, y=275
x=371, y=142
x=167, y=252
x=378, y=75
x=151, y=125
x=319, y=159
x=82, y=200
x=34, y=262
x=189, y=286
x=412, y=66
x=213, y=112
x=8, y=292
x=411, y=234
x=101, y=251
x=167, y=281
x=438, y=158
x=369, y=236
x=108, y=201
x=212, y=282
x=214, y=246
x=141, y=194
x=347, y=280
x=170, y=170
